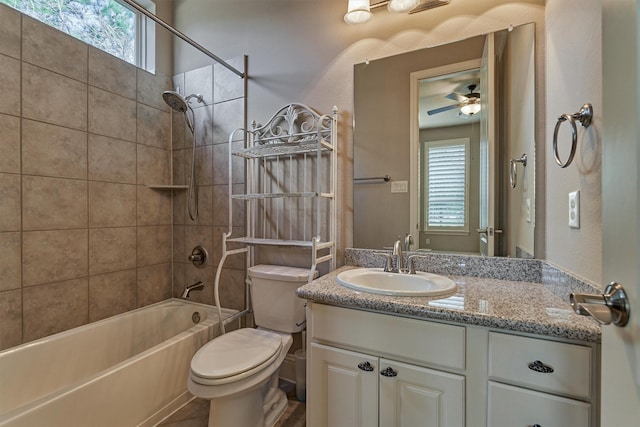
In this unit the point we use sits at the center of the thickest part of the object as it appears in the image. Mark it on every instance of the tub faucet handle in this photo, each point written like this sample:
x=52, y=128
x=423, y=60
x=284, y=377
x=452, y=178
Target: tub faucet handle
x=188, y=288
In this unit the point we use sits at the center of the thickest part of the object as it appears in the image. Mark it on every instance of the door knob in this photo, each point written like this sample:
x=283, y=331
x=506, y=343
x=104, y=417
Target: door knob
x=611, y=307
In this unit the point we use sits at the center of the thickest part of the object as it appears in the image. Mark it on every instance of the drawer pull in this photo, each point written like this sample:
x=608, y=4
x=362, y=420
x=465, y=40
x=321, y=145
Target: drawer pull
x=365, y=366
x=388, y=372
x=538, y=366
x=536, y=425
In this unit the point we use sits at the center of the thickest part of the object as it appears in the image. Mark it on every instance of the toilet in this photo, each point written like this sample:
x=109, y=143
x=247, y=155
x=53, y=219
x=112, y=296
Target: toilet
x=238, y=371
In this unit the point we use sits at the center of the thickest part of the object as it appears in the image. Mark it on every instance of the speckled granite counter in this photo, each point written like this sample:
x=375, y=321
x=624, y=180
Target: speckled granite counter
x=521, y=306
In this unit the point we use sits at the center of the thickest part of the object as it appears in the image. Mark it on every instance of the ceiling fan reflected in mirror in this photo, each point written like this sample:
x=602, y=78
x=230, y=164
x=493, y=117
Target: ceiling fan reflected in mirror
x=469, y=104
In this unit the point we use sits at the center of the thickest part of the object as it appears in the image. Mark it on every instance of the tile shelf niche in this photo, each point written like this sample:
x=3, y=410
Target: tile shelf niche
x=167, y=187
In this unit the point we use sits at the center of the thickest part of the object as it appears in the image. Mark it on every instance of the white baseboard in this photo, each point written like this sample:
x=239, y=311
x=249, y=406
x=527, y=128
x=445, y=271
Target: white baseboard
x=288, y=368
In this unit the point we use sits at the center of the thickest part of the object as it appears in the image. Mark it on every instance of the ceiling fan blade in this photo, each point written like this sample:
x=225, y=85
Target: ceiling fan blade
x=442, y=109
x=456, y=97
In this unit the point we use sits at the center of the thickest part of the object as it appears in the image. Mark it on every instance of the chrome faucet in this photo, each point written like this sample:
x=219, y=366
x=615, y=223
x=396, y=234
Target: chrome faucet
x=397, y=254
x=408, y=241
x=188, y=288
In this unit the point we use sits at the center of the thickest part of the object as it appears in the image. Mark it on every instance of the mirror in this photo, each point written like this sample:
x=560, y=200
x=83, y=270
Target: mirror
x=469, y=105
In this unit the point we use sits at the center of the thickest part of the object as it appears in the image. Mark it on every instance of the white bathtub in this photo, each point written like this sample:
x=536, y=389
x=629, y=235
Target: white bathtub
x=128, y=370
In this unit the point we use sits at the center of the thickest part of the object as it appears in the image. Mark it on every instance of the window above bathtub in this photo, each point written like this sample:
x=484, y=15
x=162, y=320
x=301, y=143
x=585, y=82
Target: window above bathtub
x=109, y=25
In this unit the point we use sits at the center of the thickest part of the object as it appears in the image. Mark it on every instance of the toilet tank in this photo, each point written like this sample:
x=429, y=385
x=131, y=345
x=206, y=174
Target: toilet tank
x=273, y=296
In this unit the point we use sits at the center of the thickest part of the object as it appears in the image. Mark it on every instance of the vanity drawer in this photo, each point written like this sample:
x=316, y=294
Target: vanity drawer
x=510, y=406
x=420, y=341
x=511, y=360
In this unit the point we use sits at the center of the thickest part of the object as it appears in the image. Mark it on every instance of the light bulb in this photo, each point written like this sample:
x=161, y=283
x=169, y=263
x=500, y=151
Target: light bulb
x=402, y=6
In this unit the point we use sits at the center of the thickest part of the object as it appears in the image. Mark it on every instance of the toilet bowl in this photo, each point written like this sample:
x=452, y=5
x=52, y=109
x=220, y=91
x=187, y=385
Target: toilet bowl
x=238, y=371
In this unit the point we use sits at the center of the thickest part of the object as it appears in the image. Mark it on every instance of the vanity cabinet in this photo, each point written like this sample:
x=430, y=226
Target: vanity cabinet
x=373, y=369
x=358, y=389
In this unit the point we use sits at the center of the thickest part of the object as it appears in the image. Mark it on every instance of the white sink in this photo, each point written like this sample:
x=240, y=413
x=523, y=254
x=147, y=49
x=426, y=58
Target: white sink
x=377, y=281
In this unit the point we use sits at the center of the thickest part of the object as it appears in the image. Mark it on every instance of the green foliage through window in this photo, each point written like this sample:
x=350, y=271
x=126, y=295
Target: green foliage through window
x=105, y=24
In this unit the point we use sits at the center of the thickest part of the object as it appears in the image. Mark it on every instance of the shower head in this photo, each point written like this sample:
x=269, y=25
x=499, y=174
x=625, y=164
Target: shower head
x=175, y=101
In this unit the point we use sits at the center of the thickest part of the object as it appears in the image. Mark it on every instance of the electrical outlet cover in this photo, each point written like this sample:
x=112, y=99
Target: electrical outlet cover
x=574, y=209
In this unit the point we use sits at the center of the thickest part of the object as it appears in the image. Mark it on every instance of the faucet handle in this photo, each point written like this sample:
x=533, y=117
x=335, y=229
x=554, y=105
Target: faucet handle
x=388, y=263
x=411, y=266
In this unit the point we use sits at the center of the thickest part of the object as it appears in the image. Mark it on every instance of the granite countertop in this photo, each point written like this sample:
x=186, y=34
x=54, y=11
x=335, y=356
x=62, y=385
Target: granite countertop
x=518, y=306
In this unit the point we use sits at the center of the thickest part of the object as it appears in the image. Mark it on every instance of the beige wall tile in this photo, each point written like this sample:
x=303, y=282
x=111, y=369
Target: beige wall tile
x=153, y=165
x=226, y=84
x=180, y=206
x=154, y=245
x=232, y=288
x=203, y=124
x=154, y=284
x=178, y=279
x=179, y=248
x=10, y=260
x=9, y=85
x=54, y=50
x=204, y=165
x=111, y=115
x=110, y=73
x=10, y=20
x=180, y=176
x=112, y=160
x=111, y=294
x=53, y=203
x=200, y=82
x=205, y=206
x=229, y=115
x=9, y=202
x=51, y=150
x=234, y=261
x=154, y=207
x=111, y=249
x=9, y=144
x=150, y=88
x=154, y=127
x=53, y=98
x=10, y=318
x=50, y=256
x=180, y=135
x=54, y=307
x=112, y=205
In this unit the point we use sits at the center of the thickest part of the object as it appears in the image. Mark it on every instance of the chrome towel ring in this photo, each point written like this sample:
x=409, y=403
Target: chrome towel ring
x=584, y=116
x=513, y=172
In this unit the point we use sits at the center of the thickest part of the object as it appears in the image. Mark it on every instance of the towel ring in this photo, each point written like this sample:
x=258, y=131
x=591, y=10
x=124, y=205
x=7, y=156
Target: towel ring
x=513, y=170
x=584, y=116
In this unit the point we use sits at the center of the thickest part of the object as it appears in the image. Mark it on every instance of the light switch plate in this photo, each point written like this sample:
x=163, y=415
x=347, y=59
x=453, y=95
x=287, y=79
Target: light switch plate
x=574, y=209
x=399, y=186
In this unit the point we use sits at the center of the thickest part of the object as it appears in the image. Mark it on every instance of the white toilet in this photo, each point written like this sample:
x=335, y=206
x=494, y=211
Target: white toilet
x=238, y=371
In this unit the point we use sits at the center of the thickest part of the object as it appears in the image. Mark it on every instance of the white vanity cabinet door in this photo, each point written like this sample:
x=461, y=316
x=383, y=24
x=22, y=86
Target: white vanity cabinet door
x=414, y=396
x=517, y=407
x=343, y=394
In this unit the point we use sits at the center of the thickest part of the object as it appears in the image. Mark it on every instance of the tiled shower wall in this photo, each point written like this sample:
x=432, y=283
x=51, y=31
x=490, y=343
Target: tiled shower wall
x=81, y=134
x=223, y=111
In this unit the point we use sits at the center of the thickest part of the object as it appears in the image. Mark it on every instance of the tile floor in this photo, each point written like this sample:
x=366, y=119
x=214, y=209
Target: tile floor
x=196, y=413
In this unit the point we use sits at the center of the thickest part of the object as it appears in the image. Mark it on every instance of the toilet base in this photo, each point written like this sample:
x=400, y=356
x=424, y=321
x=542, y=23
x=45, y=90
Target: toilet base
x=225, y=412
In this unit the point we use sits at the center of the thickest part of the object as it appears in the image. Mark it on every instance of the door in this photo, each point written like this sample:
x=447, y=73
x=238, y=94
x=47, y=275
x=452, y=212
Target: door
x=487, y=148
x=415, y=396
x=620, y=378
x=345, y=388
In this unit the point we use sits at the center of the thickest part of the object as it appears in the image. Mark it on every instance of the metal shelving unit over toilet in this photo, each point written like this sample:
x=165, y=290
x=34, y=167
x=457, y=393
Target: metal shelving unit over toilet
x=289, y=197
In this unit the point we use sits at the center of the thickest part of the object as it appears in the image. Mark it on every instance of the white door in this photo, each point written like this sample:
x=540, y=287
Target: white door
x=487, y=148
x=620, y=397
x=345, y=388
x=415, y=396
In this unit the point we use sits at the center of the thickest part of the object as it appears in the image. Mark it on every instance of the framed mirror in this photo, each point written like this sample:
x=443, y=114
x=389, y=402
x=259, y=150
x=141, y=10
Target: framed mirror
x=439, y=139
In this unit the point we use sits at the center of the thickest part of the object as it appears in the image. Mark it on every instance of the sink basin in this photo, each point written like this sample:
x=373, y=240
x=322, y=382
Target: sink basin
x=377, y=281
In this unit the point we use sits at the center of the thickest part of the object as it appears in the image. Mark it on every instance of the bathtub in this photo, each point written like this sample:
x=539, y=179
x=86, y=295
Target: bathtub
x=127, y=370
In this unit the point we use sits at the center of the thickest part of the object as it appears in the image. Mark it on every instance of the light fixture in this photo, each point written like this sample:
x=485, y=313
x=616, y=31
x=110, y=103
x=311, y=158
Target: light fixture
x=358, y=12
x=470, y=108
x=402, y=6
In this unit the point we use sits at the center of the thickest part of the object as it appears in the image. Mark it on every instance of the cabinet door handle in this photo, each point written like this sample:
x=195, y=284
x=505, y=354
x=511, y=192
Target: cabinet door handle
x=388, y=372
x=538, y=366
x=365, y=366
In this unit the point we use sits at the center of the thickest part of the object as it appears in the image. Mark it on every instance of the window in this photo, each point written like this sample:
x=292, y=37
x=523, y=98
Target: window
x=109, y=25
x=446, y=199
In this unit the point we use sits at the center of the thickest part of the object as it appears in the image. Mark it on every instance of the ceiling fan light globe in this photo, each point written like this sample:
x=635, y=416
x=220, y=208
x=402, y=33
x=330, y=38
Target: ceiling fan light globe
x=402, y=6
x=470, y=109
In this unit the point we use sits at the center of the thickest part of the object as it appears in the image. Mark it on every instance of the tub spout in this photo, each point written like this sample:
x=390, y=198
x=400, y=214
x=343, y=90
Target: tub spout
x=188, y=288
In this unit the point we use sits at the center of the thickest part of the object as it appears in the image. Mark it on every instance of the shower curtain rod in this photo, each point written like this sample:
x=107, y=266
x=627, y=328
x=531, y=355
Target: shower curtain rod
x=175, y=32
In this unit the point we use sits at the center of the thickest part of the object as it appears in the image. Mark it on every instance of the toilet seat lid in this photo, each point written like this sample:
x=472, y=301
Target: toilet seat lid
x=235, y=352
